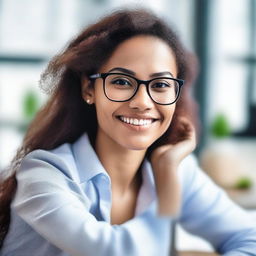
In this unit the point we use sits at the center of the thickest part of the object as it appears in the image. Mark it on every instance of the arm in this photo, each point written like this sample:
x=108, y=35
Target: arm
x=206, y=210
x=209, y=213
x=54, y=207
x=165, y=162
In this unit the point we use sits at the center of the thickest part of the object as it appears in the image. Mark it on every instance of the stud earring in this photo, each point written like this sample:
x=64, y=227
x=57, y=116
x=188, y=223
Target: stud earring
x=88, y=101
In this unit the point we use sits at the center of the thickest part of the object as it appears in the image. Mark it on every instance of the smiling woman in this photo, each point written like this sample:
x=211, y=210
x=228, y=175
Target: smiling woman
x=106, y=166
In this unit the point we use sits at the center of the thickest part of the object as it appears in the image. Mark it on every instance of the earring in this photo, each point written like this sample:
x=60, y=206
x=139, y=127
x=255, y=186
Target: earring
x=88, y=101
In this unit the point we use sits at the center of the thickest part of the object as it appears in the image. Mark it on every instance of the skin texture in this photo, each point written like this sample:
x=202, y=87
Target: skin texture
x=121, y=148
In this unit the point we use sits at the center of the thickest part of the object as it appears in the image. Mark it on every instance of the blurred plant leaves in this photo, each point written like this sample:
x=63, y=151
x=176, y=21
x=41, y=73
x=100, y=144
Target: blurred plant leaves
x=30, y=105
x=220, y=126
x=244, y=183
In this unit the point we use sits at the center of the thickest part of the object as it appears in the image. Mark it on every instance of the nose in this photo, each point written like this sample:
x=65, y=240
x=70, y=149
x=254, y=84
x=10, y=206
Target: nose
x=141, y=99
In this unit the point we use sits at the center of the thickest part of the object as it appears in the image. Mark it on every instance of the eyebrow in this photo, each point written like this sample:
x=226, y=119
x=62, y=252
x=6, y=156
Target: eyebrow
x=130, y=72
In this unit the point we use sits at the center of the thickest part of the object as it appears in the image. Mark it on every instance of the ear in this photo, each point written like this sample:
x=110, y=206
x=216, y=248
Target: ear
x=87, y=90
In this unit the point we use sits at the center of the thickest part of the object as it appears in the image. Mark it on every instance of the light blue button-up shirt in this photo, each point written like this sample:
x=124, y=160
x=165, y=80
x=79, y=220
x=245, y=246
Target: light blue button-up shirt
x=63, y=203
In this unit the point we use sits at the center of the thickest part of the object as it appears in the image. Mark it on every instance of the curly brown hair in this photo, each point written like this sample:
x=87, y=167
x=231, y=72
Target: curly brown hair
x=65, y=116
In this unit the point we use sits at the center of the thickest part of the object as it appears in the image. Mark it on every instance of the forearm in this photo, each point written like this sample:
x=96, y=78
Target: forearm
x=168, y=190
x=209, y=213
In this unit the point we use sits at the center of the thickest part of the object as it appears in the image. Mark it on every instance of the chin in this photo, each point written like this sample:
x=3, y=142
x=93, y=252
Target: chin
x=138, y=145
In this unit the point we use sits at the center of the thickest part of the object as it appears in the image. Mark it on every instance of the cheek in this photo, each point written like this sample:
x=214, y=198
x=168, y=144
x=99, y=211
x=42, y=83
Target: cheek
x=168, y=114
x=105, y=110
x=103, y=113
x=101, y=109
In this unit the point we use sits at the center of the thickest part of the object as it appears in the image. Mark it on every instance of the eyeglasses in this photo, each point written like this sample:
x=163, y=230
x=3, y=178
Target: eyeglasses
x=122, y=87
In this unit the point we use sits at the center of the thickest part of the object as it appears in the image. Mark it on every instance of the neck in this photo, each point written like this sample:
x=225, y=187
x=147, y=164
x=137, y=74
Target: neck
x=122, y=164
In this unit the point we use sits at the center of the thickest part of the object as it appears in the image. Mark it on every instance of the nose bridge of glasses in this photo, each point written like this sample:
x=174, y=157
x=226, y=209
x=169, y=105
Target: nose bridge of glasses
x=146, y=88
x=140, y=82
x=142, y=91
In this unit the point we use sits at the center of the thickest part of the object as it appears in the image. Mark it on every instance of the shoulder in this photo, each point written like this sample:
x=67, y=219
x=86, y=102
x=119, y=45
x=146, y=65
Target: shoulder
x=77, y=161
x=48, y=175
x=191, y=175
x=55, y=163
x=188, y=168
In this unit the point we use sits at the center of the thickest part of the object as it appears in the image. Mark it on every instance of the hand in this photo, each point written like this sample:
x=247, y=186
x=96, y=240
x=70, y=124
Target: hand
x=165, y=161
x=173, y=154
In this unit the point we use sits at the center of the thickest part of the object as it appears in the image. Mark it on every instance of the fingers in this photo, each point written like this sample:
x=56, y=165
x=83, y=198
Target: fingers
x=181, y=142
x=189, y=132
x=185, y=130
x=159, y=151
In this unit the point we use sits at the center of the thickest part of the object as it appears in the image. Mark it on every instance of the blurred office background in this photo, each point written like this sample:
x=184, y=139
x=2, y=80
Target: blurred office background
x=221, y=33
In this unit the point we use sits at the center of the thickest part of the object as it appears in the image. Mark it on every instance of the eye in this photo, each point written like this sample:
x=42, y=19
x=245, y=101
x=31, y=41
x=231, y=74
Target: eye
x=160, y=85
x=121, y=82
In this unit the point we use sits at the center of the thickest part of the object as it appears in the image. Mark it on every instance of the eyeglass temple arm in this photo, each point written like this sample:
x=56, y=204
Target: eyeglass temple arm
x=95, y=76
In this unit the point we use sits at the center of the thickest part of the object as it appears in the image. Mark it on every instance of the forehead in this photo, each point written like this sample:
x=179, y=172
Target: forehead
x=144, y=55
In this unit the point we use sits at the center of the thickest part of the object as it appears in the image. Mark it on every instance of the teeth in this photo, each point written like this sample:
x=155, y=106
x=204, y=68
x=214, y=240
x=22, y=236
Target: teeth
x=135, y=121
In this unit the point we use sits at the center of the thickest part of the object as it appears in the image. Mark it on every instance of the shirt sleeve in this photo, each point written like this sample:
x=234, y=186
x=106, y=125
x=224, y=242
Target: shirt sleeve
x=209, y=213
x=56, y=208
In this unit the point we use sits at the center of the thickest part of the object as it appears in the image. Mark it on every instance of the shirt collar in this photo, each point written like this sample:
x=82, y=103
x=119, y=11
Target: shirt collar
x=89, y=166
x=87, y=161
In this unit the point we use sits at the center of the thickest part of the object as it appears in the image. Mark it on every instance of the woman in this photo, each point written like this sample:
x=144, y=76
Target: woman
x=105, y=167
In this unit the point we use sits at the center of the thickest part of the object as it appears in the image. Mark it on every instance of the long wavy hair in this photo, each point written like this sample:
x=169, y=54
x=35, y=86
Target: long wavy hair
x=65, y=116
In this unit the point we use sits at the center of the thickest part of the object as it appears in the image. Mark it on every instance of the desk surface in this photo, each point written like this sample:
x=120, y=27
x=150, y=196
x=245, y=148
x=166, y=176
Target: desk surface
x=194, y=253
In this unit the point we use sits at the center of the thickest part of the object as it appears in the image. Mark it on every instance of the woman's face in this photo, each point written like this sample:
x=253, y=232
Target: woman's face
x=144, y=56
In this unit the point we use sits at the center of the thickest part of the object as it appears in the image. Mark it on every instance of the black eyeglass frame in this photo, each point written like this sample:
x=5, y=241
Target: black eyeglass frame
x=139, y=82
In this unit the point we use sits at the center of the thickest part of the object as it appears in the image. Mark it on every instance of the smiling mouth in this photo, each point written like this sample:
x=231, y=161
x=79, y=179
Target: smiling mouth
x=136, y=121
